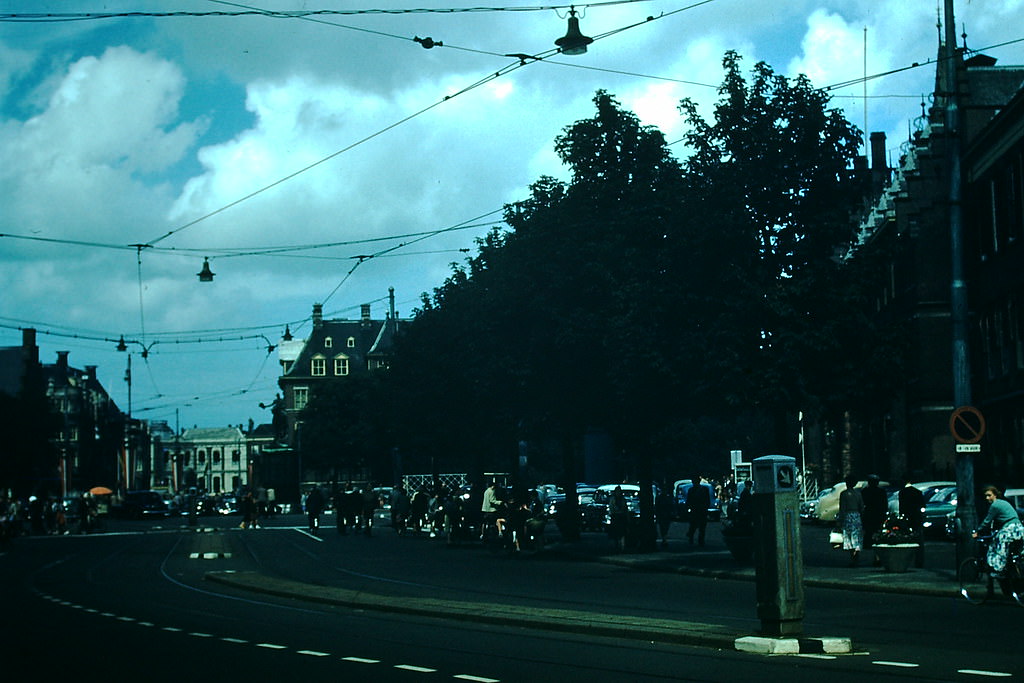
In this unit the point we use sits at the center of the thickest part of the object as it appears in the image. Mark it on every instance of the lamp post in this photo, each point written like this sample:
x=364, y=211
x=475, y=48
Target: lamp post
x=965, y=510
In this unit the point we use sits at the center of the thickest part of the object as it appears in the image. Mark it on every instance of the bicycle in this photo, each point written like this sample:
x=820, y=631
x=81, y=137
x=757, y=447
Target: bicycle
x=977, y=583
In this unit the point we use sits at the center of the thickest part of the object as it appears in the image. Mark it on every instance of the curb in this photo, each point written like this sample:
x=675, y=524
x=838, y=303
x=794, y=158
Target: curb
x=794, y=646
x=587, y=623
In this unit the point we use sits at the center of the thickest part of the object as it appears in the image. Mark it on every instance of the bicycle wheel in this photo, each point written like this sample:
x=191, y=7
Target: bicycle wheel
x=975, y=581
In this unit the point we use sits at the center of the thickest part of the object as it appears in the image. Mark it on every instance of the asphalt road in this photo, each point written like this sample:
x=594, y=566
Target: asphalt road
x=137, y=605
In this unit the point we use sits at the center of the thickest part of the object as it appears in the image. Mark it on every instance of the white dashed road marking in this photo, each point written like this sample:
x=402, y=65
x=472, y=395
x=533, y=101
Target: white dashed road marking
x=313, y=653
x=361, y=660
x=477, y=679
x=904, y=665
x=419, y=669
x=979, y=672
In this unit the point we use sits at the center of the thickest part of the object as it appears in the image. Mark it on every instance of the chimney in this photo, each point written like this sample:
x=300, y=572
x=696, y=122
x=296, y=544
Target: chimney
x=62, y=359
x=879, y=163
x=90, y=372
x=365, y=314
x=318, y=314
x=29, y=350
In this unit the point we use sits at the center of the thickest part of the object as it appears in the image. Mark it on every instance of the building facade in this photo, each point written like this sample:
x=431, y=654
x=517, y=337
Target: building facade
x=908, y=433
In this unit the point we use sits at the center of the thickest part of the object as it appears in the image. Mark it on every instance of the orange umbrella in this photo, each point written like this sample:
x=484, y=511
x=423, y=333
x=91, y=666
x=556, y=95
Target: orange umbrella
x=100, y=491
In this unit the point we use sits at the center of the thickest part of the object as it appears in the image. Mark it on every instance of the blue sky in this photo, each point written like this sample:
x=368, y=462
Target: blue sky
x=284, y=149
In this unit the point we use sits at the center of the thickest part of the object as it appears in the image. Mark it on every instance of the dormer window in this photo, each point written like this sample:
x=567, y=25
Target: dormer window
x=318, y=366
x=328, y=342
x=351, y=342
x=341, y=366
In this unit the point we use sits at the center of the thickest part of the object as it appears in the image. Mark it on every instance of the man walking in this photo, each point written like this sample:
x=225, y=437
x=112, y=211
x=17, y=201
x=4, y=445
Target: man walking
x=698, y=500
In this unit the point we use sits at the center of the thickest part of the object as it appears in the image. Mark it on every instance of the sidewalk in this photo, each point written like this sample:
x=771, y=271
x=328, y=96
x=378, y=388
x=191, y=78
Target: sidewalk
x=823, y=567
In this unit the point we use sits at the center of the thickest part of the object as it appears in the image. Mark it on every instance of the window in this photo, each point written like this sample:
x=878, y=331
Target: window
x=216, y=457
x=201, y=457
x=341, y=366
x=328, y=342
x=318, y=367
x=351, y=343
x=300, y=397
x=236, y=457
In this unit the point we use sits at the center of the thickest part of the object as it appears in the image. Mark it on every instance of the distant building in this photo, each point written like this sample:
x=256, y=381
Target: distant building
x=214, y=459
x=84, y=428
x=334, y=351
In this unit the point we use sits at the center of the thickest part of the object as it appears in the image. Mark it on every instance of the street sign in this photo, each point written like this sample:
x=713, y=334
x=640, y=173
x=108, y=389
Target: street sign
x=967, y=425
x=968, y=448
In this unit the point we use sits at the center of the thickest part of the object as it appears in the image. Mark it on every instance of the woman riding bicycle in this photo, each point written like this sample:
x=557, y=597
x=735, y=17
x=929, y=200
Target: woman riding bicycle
x=1005, y=526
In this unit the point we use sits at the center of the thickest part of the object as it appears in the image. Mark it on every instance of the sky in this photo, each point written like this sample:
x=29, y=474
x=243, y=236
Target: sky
x=328, y=156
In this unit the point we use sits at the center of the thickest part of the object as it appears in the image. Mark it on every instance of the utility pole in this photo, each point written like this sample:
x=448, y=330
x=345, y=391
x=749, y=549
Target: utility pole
x=965, y=511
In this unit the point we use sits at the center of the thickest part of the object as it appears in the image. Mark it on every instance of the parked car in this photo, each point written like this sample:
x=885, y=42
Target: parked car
x=597, y=516
x=927, y=489
x=143, y=504
x=1016, y=499
x=682, y=488
x=937, y=509
x=826, y=507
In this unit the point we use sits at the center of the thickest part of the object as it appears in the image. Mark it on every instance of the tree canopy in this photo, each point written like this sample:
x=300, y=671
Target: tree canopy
x=646, y=295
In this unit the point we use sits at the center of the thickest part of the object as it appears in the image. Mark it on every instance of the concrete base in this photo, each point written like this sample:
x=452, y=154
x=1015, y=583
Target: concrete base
x=794, y=646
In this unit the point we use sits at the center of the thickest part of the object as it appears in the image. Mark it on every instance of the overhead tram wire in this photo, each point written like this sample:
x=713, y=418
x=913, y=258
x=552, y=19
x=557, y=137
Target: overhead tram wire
x=57, y=17
x=522, y=60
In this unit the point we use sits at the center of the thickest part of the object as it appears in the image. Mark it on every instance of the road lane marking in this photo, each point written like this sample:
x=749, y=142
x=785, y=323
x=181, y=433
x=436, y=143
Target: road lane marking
x=361, y=660
x=197, y=634
x=235, y=640
x=271, y=646
x=172, y=629
x=980, y=672
x=904, y=665
x=313, y=653
x=477, y=679
x=418, y=669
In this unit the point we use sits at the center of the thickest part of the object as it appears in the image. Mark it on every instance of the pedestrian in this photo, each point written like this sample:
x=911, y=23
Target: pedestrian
x=1005, y=526
x=352, y=504
x=340, y=517
x=851, y=511
x=399, y=510
x=369, y=502
x=698, y=500
x=911, y=505
x=489, y=507
x=663, y=512
x=618, y=516
x=314, y=508
x=876, y=505
x=419, y=504
x=248, y=509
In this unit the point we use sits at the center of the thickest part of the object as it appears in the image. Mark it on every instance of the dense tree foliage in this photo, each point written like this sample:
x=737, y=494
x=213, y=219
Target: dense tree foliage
x=651, y=299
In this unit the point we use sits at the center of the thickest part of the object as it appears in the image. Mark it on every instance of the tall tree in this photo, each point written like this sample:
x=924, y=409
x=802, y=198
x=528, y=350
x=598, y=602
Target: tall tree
x=774, y=172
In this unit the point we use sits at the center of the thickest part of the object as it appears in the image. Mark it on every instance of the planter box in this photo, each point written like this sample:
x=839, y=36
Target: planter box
x=896, y=558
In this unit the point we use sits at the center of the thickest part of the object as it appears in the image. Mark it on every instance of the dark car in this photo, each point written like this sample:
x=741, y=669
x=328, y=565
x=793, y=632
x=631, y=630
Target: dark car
x=682, y=487
x=937, y=509
x=143, y=504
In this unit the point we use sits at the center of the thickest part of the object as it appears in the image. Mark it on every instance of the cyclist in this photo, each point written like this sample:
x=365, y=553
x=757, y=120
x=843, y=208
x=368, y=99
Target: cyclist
x=1005, y=526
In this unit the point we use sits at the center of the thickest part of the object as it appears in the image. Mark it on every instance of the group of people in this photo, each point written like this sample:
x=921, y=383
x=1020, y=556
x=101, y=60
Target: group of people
x=39, y=516
x=863, y=511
